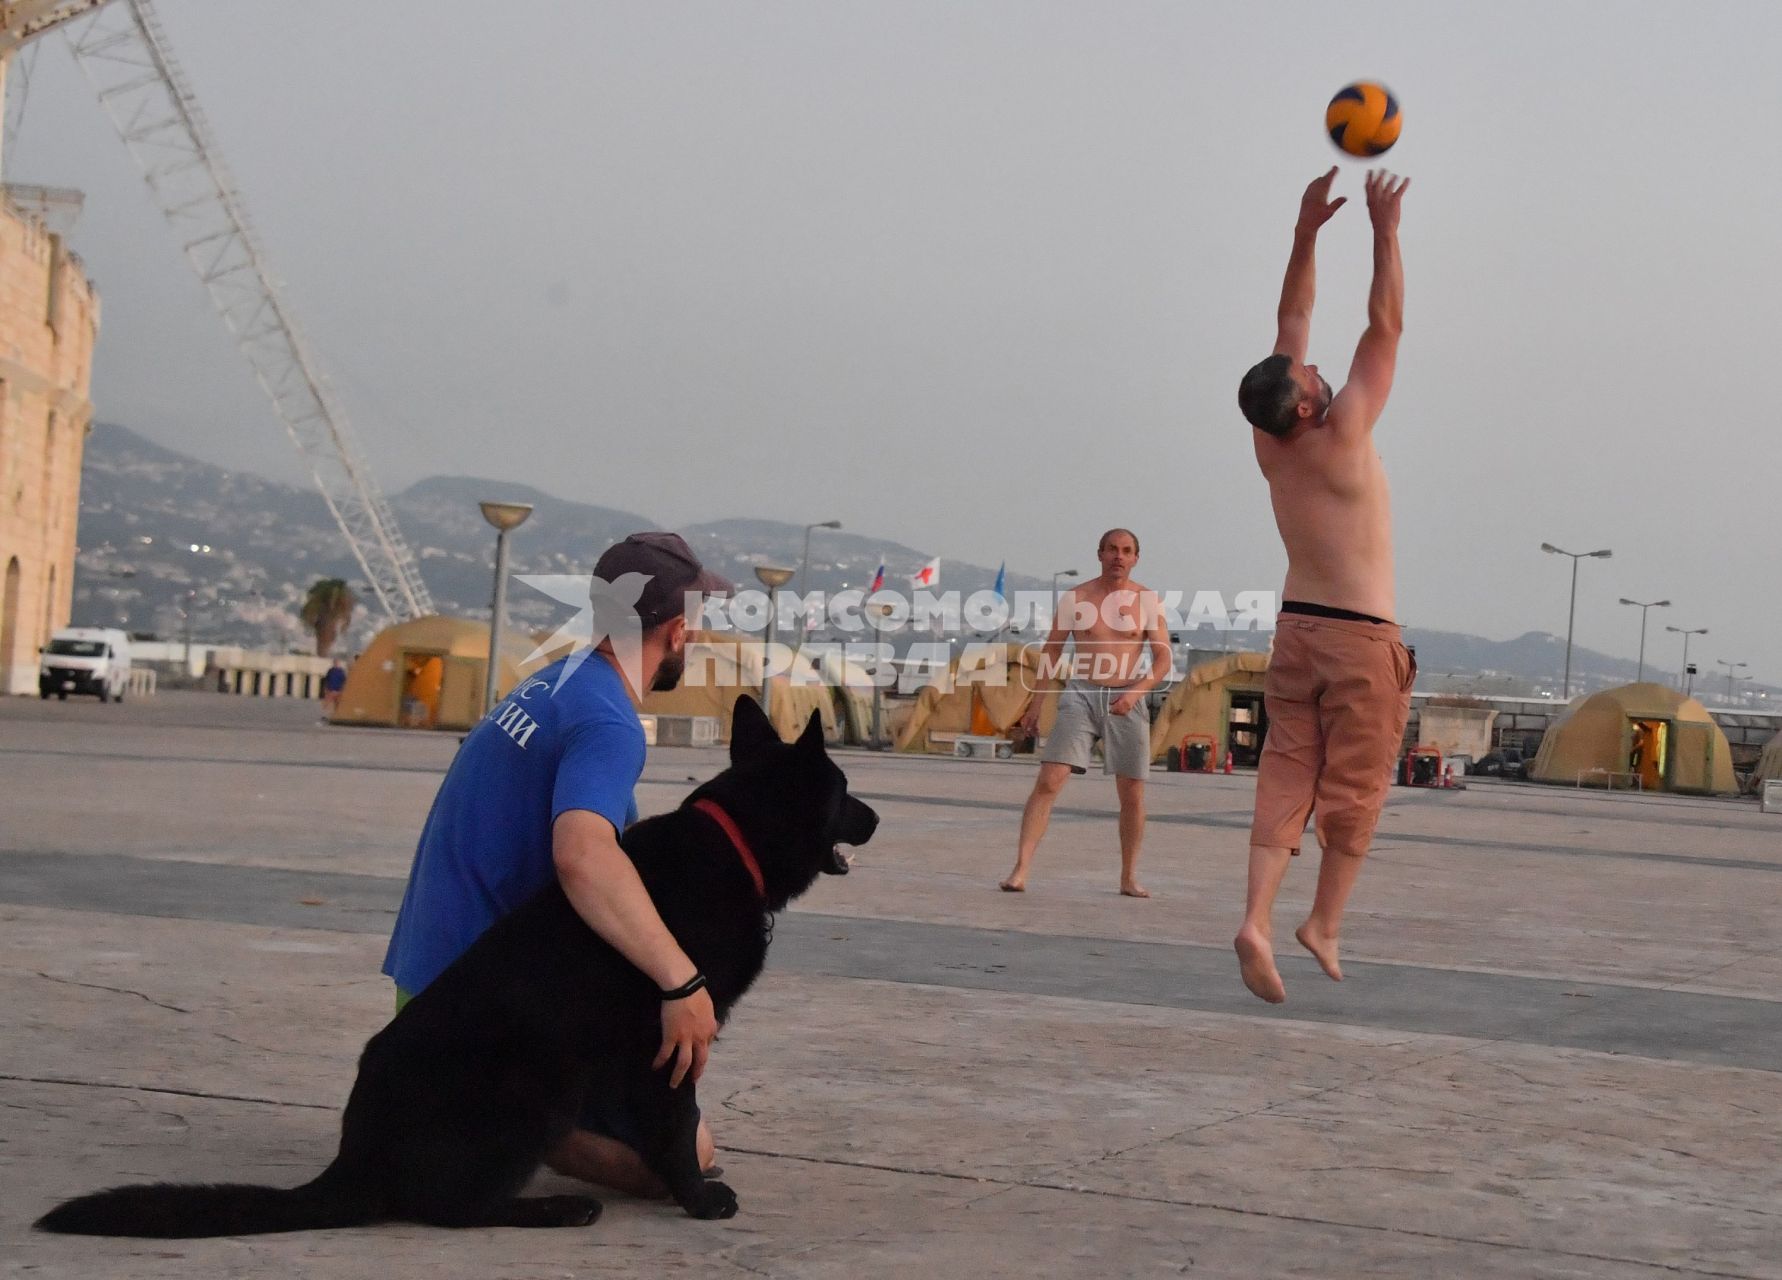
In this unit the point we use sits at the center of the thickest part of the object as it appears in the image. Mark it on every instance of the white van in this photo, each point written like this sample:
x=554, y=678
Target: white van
x=92, y=660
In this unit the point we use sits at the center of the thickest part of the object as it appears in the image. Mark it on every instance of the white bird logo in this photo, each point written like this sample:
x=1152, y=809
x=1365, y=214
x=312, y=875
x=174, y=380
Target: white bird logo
x=605, y=611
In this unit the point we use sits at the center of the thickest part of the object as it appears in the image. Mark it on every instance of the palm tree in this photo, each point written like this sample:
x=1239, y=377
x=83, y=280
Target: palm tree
x=328, y=610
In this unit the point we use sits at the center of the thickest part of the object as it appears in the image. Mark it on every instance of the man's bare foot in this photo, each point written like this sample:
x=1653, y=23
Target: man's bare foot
x=1256, y=961
x=1133, y=889
x=1014, y=884
x=1323, y=949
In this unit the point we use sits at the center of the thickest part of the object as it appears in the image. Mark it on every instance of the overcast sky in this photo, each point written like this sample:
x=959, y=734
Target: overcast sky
x=982, y=277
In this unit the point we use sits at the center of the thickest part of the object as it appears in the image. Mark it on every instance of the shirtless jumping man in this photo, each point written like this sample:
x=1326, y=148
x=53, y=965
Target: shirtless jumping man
x=1115, y=622
x=1339, y=684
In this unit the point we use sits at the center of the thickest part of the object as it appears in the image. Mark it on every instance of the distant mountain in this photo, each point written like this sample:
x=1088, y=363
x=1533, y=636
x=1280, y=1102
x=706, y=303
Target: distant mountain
x=167, y=541
x=443, y=525
x=1467, y=663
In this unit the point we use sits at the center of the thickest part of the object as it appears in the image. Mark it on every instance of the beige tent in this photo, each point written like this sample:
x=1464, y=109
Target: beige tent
x=428, y=674
x=1643, y=732
x=988, y=696
x=1769, y=764
x=721, y=665
x=850, y=689
x=1221, y=699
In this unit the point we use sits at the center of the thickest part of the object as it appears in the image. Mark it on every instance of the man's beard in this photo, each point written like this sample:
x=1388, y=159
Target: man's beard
x=1324, y=403
x=668, y=674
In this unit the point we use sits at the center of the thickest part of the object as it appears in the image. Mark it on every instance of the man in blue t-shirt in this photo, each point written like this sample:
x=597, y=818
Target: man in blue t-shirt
x=541, y=788
x=332, y=683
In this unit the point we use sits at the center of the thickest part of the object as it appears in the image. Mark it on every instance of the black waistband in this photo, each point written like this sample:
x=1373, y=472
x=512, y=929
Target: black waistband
x=1327, y=611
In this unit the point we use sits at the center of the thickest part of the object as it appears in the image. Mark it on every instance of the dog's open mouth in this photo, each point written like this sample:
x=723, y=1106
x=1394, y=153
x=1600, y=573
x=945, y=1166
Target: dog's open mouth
x=839, y=862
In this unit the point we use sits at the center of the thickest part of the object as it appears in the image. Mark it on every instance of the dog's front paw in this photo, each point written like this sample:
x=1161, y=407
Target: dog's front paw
x=714, y=1200
x=569, y=1211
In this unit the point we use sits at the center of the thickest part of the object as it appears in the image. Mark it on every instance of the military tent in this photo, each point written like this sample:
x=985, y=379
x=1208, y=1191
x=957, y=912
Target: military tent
x=850, y=689
x=721, y=665
x=1639, y=733
x=1769, y=764
x=1220, y=699
x=985, y=690
x=428, y=673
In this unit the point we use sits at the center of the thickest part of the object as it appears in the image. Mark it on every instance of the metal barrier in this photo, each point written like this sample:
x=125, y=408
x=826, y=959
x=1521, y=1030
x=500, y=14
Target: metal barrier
x=141, y=683
x=680, y=731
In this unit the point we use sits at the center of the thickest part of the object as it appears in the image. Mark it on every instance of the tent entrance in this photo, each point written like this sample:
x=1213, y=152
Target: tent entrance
x=1649, y=751
x=1246, y=722
x=423, y=676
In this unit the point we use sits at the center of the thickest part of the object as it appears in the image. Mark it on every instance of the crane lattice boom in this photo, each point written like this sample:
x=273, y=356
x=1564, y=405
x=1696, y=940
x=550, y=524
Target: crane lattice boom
x=124, y=53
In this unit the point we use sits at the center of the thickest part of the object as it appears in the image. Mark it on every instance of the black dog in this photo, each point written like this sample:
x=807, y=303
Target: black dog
x=461, y=1096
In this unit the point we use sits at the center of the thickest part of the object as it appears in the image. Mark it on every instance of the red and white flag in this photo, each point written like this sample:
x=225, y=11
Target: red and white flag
x=928, y=576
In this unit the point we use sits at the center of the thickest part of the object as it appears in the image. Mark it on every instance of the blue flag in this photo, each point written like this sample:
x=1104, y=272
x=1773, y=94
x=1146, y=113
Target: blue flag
x=1001, y=584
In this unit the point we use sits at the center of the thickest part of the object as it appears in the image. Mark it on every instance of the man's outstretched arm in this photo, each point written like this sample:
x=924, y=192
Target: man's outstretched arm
x=1294, y=318
x=603, y=886
x=1162, y=660
x=1051, y=652
x=1376, y=355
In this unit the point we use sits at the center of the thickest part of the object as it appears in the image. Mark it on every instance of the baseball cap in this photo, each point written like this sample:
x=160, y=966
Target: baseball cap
x=672, y=568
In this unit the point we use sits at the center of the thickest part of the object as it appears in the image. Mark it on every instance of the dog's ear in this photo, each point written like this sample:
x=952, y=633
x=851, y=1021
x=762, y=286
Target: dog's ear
x=812, y=737
x=750, y=729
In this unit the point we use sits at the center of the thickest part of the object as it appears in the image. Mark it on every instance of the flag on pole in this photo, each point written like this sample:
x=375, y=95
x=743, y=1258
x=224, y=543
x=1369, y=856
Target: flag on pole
x=1001, y=587
x=929, y=574
x=878, y=579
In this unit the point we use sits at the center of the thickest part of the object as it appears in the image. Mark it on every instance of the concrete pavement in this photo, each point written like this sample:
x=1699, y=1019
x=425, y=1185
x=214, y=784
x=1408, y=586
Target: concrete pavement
x=1556, y=1054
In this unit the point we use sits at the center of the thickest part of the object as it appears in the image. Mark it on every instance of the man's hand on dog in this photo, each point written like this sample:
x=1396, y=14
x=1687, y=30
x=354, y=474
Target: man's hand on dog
x=688, y=1027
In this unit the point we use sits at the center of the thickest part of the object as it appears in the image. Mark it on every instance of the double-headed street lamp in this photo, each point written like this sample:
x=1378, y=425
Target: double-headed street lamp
x=506, y=517
x=1572, y=615
x=1683, y=680
x=1642, y=606
x=1730, y=668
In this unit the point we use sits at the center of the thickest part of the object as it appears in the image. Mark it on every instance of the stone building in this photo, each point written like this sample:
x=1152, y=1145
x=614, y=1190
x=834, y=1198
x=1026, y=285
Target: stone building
x=49, y=318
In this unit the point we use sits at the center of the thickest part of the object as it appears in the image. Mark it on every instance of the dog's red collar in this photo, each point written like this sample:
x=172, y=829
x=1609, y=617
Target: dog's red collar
x=713, y=810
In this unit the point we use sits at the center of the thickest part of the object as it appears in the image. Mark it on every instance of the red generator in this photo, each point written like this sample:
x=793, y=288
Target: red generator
x=1421, y=767
x=1194, y=755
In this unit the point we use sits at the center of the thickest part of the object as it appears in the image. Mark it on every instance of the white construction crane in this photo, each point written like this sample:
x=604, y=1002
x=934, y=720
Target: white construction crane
x=122, y=49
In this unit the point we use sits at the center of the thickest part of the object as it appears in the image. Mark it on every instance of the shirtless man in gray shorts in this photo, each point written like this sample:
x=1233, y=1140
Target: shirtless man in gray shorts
x=1116, y=623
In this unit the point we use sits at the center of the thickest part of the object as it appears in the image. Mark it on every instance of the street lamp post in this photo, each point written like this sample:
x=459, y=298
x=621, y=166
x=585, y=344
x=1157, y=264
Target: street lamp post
x=1572, y=614
x=1683, y=680
x=804, y=564
x=877, y=612
x=1643, y=606
x=773, y=578
x=191, y=599
x=1062, y=573
x=505, y=517
x=1730, y=668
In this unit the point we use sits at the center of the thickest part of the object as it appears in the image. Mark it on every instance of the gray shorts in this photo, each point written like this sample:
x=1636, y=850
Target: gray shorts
x=1083, y=717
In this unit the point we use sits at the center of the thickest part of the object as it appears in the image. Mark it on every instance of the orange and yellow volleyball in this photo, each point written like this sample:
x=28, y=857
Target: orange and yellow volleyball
x=1363, y=119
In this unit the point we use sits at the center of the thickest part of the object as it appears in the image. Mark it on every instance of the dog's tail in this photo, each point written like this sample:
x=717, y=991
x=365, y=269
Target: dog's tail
x=170, y=1211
